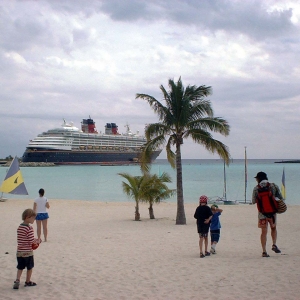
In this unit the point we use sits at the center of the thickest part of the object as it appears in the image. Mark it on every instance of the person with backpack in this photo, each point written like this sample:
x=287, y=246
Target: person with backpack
x=265, y=195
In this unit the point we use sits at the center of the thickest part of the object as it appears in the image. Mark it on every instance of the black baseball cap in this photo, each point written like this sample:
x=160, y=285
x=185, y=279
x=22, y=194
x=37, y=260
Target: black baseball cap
x=261, y=176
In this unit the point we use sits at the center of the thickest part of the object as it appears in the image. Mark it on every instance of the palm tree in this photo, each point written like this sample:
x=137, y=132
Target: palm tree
x=185, y=114
x=134, y=189
x=156, y=189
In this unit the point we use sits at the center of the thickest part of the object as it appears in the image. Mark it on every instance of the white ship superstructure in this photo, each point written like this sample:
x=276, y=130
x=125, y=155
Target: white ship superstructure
x=68, y=144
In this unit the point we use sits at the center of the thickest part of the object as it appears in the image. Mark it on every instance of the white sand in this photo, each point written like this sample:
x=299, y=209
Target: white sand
x=96, y=251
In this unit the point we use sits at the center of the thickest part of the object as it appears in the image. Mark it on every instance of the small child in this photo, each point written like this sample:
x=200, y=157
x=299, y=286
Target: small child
x=25, y=238
x=203, y=214
x=215, y=227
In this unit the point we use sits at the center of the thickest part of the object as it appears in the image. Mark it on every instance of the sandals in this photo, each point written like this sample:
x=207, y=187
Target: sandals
x=265, y=254
x=275, y=249
x=16, y=285
x=30, y=283
x=206, y=254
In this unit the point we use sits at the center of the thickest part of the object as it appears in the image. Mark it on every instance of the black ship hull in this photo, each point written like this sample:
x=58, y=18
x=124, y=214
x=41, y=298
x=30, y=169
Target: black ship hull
x=83, y=157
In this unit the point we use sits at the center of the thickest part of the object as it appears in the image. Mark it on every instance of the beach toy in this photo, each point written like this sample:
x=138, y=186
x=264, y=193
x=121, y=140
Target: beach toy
x=35, y=246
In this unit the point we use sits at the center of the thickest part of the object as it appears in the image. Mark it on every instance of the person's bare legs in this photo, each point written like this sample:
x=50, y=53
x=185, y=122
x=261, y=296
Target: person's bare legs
x=38, y=228
x=28, y=275
x=263, y=238
x=45, y=229
x=17, y=281
x=19, y=273
x=274, y=235
x=206, y=244
x=201, y=244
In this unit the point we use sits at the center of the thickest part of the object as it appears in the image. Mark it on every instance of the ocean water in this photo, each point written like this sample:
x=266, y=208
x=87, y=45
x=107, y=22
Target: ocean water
x=102, y=183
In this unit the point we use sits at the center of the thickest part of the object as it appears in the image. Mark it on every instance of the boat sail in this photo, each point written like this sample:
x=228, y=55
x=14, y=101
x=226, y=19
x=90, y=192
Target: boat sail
x=13, y=182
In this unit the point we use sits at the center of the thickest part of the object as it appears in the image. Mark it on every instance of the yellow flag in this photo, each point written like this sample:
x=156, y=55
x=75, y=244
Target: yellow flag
x=283, y=193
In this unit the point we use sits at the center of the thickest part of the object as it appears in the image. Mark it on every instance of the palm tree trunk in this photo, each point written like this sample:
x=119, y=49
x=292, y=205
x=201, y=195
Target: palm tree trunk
x=137, y=216
x=151, y=212
x=180, y=218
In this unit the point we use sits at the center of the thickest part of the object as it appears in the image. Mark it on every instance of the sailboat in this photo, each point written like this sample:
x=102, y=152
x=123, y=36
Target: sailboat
x=229, y=202
x=246, y=175
x=225, y=201
x=13, y=182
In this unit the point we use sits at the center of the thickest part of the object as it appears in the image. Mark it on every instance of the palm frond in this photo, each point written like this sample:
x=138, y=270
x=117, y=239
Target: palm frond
x=156, y=129
x=215, y=124
x=158, y=107
x=201, y=108
x=148, y=149
x=214, y=146
x=171, y=156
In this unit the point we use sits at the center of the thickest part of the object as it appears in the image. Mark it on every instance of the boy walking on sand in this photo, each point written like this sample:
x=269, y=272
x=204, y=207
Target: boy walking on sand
x=25, y=238
x=203, y=215
x=215, y=227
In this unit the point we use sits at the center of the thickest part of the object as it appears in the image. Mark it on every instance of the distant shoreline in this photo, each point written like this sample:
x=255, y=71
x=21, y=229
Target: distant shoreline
x=292, y=161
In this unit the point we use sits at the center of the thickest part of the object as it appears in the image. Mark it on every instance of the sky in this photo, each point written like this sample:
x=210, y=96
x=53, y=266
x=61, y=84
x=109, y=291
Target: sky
x=73, y=59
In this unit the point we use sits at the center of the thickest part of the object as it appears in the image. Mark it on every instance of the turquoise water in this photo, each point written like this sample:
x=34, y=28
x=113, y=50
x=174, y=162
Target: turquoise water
x=102, y=183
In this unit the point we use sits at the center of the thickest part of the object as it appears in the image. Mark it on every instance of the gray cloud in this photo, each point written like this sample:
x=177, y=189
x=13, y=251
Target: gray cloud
x=71, y=59
x=241, y=17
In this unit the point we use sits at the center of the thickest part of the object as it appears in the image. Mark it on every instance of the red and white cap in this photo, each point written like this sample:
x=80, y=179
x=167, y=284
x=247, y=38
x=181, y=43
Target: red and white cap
x=203, y=199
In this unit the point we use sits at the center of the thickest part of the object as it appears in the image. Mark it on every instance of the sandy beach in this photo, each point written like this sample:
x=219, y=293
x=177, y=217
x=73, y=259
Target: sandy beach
x=96, y=251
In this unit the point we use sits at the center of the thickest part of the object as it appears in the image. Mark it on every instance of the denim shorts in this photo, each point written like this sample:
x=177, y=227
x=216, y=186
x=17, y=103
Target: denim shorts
x=215, y=235
x=25, y=262
x=42, y=216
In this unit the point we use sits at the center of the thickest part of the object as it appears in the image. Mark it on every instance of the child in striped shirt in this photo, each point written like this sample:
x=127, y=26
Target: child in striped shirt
x=25, y=238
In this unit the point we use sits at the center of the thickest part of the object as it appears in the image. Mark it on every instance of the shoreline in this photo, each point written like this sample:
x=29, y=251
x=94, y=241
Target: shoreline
x=96, y=250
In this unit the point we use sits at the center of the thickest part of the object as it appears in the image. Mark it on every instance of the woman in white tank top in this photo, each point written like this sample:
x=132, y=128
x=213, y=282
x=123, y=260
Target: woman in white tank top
x=40, y=206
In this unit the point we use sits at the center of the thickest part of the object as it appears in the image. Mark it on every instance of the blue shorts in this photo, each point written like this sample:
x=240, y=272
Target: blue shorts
x=42, y=216
x=25, y=262
x=215, y=235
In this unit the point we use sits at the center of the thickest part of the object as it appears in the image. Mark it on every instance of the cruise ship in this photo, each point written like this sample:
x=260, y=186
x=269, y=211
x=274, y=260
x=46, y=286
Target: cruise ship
x=70, y=145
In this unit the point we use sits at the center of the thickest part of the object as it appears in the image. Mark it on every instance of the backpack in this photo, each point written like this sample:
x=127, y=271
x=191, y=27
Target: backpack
x=265, y=200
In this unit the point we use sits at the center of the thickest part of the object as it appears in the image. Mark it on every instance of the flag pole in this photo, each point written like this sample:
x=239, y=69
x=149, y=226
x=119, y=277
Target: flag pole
x=245, y=174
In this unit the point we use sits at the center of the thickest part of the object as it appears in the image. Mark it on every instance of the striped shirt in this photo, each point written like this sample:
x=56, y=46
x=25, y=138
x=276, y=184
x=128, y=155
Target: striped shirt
x=25, y=238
